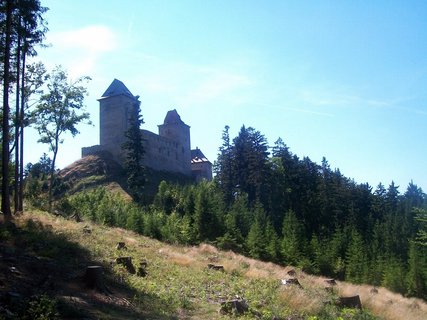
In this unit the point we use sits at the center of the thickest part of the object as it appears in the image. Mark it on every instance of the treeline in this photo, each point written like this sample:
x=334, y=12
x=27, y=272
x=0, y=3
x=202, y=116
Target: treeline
x=287, y=210
x=22, y=28
x=48, y=101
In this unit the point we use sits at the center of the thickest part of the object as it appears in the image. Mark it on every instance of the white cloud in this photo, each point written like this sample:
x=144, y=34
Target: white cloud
x=91, y=38
x=79, y=50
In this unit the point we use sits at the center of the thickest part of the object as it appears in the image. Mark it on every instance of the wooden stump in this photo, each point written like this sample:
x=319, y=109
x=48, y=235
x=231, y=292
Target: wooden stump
x=142, y=269
x=236, y=307
x=127, y=263
x=215, y=267
x=292, y=273
x=121, y=245
x=93, y=278
x=87, y=230
x=291, y=281
x=350, y=302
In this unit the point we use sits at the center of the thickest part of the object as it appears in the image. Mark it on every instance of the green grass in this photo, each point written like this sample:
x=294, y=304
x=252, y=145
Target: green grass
x=178, y=285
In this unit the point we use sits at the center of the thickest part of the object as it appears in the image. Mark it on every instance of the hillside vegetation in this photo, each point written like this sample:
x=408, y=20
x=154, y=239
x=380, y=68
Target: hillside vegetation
x=276, y=208
x=44, y=259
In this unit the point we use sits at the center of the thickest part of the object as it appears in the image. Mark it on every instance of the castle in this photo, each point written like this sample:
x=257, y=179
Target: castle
x=170, y=150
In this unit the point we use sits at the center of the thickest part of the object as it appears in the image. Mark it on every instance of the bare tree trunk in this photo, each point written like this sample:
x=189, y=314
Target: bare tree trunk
x=21, y=144
x=5, y=200
x=17, y=126
x=52, y=175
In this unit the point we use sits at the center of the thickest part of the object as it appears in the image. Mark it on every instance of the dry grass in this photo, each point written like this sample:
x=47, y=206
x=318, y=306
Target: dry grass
x=387, y=304
x=309, y=300
x=384, y=304
x=301, y=300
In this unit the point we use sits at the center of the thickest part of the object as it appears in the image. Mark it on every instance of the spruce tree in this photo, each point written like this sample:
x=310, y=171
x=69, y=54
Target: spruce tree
x=205, y=220
x=416, y=279
x=134, y=153
x=223, y=168
x=293, y=239
x=421, y=218
x=272, y=244
x=356, y=259
x=250, y=165
x=255, y=241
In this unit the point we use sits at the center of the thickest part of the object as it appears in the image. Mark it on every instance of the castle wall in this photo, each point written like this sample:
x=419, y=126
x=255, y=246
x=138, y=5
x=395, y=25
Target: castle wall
x=162, y=153
x=86, y=151
x=201, y=170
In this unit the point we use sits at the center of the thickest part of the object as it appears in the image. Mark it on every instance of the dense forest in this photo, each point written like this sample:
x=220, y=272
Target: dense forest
x=280, y=208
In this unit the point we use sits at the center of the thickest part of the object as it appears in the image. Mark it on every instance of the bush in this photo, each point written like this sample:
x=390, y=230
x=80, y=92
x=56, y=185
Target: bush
x=41, y=308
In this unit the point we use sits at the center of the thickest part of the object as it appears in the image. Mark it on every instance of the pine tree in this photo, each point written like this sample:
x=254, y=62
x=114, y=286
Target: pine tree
x=356, y=259
x=164, y=200
x=30, y=28
x=5, y=200
x=134, y=153
x=336, y=250
x=134, y=220
x=421, y=218
x=224, y=169
x=272, y=244
x=255, y=241
x=250, y=165
x=394, y=275
x=416, y=279
x=205, y=220
x=293, y=239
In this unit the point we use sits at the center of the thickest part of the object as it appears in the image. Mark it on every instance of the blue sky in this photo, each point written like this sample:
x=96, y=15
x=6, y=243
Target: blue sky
x=345, y=80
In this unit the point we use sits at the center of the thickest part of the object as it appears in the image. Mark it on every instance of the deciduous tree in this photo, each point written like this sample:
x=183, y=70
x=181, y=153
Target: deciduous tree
x=59, y=111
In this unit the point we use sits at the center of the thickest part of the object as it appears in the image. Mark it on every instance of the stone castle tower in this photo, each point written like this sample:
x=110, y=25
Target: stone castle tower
x=170, y=150
x=114, y=109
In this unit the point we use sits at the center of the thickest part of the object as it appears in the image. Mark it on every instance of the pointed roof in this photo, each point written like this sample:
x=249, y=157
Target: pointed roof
x=197, y=156
x=172, y=117
x=117, y=88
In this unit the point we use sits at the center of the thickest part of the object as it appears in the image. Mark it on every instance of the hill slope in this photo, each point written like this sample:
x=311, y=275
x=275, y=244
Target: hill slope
x=101, y=170
x=47, y=254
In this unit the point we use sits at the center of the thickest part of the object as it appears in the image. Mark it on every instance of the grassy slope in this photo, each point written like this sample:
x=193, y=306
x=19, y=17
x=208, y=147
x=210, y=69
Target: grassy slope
x=100, y=170
x=51, y=254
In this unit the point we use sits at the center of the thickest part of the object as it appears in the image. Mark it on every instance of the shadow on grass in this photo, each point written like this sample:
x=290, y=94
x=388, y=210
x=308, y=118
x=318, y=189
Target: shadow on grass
x=41, y=276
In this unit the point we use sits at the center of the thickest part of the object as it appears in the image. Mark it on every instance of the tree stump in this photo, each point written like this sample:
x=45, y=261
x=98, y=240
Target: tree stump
x=142, y=269
x=236, y=307
x=121, y=245
x=292, y=273
x=93, y=278
x=87, y=230
x=291, y=281
x=215, y=267
x=127, y=263
x=350, y=302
